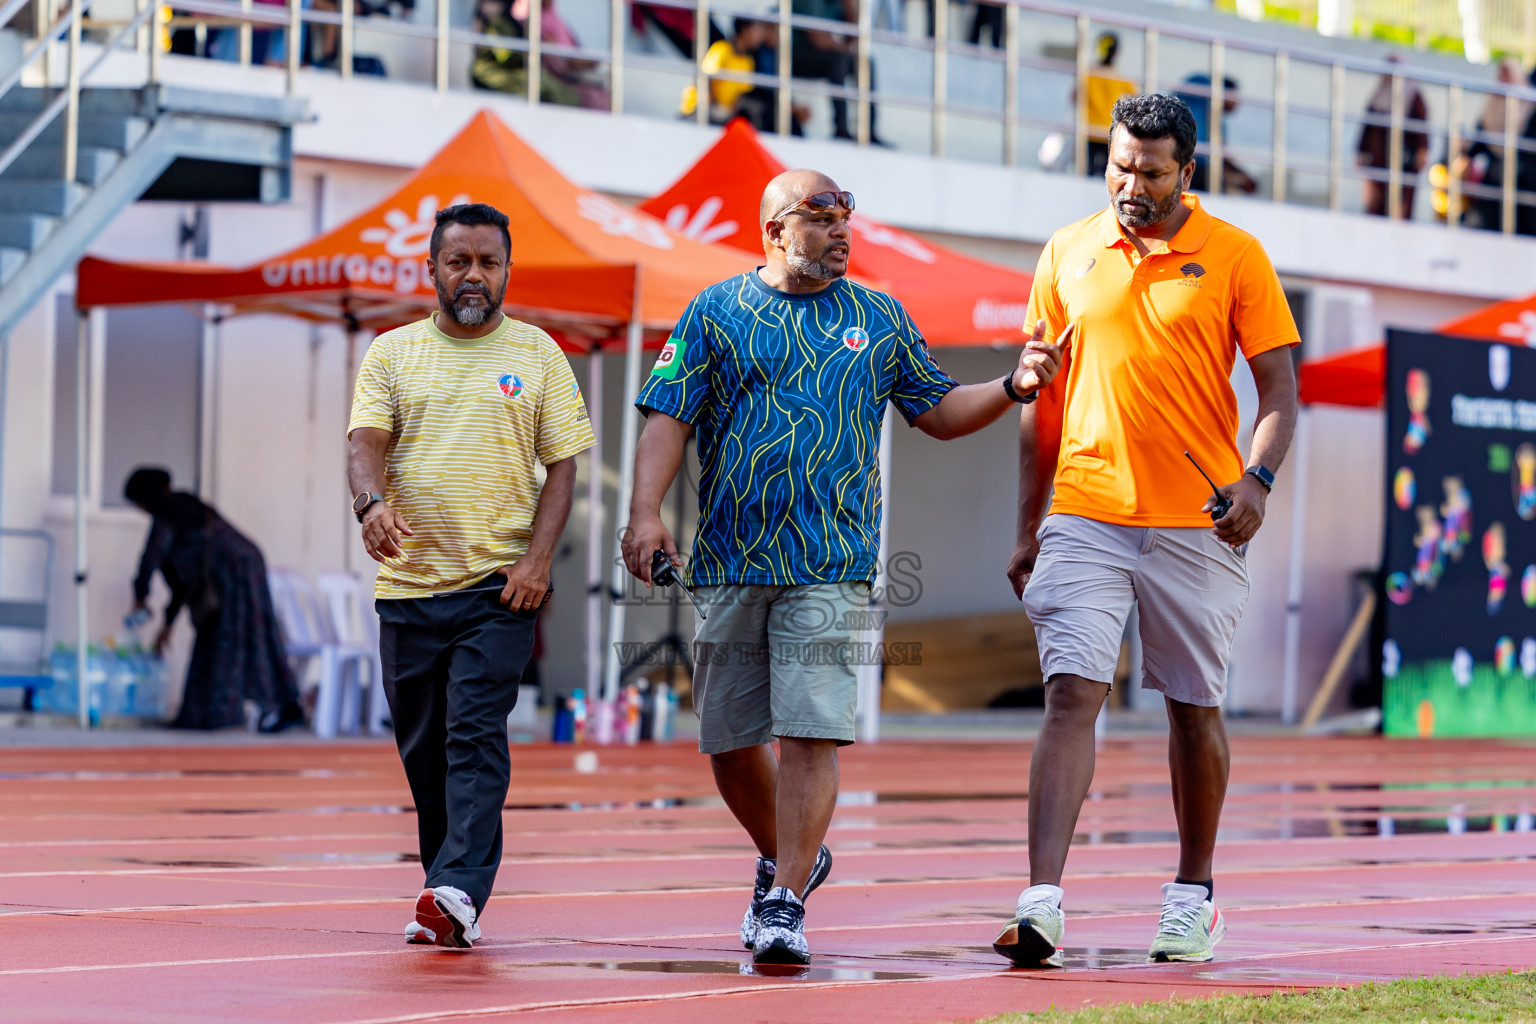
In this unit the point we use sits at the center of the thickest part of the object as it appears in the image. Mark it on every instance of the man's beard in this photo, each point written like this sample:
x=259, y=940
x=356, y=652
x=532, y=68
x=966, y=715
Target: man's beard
x=799, y=261
x=464, y=314
x=1156, y=212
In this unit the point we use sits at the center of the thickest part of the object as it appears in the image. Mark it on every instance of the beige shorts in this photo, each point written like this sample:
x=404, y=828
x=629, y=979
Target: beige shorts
x=1189, y=587
x=778, y=661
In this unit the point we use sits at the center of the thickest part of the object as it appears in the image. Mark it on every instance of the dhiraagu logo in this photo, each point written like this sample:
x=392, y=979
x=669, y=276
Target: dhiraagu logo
x=670, y=359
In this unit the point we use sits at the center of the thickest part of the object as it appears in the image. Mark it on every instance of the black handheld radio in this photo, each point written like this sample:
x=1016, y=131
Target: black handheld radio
x=664, y=574
x=1222, y=506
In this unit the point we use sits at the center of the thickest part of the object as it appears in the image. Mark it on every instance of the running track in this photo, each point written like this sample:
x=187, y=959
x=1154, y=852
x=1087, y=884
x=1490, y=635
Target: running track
x=271, y=882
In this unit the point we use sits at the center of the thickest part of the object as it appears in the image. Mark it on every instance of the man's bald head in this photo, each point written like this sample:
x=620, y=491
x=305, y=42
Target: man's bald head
x=790, y=188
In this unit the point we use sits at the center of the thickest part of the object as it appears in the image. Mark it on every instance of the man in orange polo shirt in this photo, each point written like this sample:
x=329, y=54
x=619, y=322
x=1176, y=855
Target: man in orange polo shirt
x=1161, y=297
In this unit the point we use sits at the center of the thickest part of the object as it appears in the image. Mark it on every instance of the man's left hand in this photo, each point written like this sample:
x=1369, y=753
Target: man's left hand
x=1245, y=516
x=527, y=584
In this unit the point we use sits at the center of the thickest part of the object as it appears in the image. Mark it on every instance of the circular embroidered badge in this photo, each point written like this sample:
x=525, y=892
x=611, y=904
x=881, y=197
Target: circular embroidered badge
x=856, y=338
x=510, y=385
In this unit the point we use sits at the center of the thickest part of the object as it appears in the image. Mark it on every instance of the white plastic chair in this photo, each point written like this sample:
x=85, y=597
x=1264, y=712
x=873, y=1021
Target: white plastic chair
x=353, y=628
x=307, y=634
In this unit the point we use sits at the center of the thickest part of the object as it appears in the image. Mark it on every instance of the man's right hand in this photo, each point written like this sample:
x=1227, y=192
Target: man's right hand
x=382, y=529
x=1022, y=565
x=643, y=536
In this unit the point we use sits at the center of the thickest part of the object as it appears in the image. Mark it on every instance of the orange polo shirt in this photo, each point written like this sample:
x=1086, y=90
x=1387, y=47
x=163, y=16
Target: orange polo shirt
x=1148, y=373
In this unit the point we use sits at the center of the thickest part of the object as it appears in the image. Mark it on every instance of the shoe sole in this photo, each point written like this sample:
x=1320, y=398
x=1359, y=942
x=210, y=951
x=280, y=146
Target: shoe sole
x=817, y=877
x=1026, y=946
x=433, y=916
x=780, y=954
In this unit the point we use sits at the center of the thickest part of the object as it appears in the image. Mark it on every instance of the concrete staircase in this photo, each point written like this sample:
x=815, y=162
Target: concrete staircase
x=159, y=142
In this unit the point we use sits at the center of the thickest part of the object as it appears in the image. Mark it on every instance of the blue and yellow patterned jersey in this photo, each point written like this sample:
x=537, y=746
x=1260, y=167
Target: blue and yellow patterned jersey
x=786, y=394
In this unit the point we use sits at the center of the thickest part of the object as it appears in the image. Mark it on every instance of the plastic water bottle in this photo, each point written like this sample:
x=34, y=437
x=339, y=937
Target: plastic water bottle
x=136, y=618
x=579, y=713
x=662, y=722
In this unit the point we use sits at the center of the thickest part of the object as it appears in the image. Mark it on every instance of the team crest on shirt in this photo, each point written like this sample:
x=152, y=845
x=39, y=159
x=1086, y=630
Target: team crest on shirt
x=511, y=385
x=856, y=339
x=1192, y=272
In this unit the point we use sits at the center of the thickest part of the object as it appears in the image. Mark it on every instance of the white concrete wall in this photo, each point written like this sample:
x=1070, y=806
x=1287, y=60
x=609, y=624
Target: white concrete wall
x=280, y=385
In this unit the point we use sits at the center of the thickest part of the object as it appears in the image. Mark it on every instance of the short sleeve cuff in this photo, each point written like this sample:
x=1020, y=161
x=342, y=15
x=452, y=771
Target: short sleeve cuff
x=913, y=406
x=575, y=446
x=1274, y=341
x=648, y=404
x=364, y=419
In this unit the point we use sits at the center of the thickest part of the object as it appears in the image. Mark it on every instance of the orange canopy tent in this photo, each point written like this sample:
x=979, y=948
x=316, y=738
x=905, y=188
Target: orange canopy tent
x=584, y=266
x=1358, y=377
x=580, y=259
x=954, y=299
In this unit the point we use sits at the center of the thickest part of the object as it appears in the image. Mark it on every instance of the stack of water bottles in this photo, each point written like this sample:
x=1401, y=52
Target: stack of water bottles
x=122, y=680
x=643, y=711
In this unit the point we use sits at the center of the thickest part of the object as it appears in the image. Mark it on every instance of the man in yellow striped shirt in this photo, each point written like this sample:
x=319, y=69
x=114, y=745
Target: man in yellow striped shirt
x=450, y=416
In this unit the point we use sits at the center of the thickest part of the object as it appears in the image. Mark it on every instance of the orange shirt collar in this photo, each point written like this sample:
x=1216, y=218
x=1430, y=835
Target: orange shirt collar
x=1189, y=238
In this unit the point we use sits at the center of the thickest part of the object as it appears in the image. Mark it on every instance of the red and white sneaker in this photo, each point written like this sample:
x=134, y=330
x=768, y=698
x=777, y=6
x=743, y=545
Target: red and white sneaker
x=449, y=914
x=416, y=935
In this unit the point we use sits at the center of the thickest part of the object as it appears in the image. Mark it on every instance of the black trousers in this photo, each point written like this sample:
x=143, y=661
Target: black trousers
x=451, y=669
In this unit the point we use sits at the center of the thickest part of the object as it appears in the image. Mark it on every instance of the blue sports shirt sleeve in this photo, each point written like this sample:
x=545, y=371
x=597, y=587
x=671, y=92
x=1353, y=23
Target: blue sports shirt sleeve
x=679, y=382
x=920, y=384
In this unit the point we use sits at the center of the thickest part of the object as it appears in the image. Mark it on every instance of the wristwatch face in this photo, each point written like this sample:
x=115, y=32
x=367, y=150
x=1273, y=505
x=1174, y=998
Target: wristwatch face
x=361, y=502
x=1265, y=476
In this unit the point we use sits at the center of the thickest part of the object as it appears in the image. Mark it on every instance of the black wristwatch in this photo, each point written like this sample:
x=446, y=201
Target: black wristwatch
x=1014, y=395
x=363, y=502
x=1263, y=476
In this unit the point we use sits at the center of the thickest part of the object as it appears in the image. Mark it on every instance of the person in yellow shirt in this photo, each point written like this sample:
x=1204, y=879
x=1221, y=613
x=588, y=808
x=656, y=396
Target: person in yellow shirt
x=737, y=54
x=450, y=419
x=1161, y=298
x=1102, y=88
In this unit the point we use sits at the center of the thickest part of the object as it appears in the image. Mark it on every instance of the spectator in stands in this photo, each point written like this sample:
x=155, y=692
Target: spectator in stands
x=1375, y=148
x=830, y=56
x=562, y=80
x=1482, y=160
x=751, y=48
x=988, y=17
x=219, y=576
x=1104, y=87
x=1233, y=177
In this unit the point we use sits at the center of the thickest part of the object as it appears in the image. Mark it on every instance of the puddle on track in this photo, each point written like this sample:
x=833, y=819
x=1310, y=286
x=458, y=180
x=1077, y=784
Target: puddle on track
x=745, y=968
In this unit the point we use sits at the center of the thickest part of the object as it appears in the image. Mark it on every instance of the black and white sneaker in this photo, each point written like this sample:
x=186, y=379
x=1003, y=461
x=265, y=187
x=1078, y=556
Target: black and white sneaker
x=765, y=874
x=781, y=930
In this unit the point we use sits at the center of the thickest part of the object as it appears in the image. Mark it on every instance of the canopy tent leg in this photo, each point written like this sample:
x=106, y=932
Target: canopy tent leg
x=594, y=675
x=82, y=610
x=627, y=444
x=870, y=669
x=1290, y=681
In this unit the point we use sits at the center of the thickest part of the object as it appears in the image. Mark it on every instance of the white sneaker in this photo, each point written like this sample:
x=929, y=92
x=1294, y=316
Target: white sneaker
x=1190, y=926
x=1033, y=937
x=416, y=935
x=449, y=914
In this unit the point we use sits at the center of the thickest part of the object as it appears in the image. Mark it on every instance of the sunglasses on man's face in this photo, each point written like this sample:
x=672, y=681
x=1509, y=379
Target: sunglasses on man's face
x=821, y=202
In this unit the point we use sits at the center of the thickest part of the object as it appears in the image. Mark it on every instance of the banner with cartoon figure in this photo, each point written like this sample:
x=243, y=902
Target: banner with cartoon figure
x=1459, y=655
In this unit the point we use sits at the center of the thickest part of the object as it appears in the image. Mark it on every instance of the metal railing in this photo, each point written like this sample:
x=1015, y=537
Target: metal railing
x=67, y=102
x=1285, y=128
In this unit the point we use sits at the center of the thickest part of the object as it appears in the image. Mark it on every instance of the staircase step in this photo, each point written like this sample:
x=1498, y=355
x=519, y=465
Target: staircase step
x=93, y=102
x=10, y=262
x=120, y=133
x=25, y=230
x=55, y=198
x=41, y=161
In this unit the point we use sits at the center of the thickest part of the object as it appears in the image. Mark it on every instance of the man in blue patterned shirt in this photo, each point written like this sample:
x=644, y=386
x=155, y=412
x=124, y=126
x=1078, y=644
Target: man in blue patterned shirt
x=784, y=374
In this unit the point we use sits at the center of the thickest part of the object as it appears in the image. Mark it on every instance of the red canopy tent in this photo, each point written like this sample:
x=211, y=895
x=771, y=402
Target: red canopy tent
x=1358, y=377
x=584, y=266
x=954, y=299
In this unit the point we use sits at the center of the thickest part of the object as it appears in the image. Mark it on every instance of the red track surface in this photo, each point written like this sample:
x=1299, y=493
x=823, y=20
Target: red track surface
x=272, y=883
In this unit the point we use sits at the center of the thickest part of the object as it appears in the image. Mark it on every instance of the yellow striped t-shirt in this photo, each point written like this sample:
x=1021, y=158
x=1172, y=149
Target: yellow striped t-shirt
x=468, y=419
